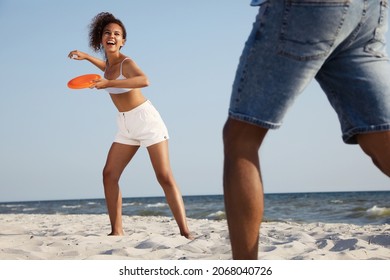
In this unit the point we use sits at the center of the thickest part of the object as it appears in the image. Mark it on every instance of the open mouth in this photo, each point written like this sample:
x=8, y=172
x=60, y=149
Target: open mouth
x=111, y=42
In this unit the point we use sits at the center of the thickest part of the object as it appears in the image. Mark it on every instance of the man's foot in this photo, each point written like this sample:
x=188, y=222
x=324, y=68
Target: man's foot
x=117, y=233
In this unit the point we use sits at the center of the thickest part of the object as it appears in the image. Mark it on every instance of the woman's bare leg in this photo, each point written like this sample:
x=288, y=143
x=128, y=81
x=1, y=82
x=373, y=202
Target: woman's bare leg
x=118, y=158
x=159, y=157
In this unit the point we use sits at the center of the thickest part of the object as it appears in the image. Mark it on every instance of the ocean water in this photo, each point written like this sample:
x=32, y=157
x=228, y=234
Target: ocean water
x=330, y=207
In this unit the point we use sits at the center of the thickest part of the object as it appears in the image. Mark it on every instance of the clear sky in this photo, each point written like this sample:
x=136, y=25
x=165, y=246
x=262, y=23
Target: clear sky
x=54, y=140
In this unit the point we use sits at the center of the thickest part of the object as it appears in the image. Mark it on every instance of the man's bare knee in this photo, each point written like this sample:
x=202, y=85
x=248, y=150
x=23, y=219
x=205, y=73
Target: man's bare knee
x=377, y=146
x=238, y=134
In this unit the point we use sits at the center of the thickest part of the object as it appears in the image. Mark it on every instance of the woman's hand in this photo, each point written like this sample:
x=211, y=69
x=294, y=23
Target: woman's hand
x=100, y=84
x=77, y=55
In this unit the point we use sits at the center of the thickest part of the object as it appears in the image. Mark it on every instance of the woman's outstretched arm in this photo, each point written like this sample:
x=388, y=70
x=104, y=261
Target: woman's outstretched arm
x=78, y=55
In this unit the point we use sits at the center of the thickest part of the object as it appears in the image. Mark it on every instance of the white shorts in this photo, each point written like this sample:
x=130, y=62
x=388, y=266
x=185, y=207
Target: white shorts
x=141, y=126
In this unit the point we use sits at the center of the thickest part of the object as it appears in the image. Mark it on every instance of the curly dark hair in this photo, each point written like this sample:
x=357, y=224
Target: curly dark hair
x=96, y=28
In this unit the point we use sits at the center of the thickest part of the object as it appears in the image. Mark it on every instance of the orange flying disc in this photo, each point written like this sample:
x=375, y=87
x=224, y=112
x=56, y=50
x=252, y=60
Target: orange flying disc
x=83, y=81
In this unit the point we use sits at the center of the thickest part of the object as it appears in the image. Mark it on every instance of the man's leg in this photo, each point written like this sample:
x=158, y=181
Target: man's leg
x=377, y=146
x=243, y=189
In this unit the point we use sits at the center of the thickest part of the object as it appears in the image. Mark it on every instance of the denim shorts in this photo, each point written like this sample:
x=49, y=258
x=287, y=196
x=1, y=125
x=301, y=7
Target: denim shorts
x=340, y=43
x=141, y=126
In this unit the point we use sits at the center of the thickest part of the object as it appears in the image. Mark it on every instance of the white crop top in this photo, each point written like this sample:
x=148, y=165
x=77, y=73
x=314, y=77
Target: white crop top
x=114, y=90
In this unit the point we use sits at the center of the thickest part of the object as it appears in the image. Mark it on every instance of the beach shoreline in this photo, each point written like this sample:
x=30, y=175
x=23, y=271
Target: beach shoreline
x=84, y=237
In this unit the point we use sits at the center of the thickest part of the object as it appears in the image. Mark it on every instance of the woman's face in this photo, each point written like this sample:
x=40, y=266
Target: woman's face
x=112, y=38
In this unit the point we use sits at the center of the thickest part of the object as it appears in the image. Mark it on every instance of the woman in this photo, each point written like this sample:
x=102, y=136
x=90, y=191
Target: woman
x=139, y=122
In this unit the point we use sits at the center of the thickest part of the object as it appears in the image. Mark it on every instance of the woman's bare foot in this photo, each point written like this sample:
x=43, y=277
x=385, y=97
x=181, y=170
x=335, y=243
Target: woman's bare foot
x=188, y=235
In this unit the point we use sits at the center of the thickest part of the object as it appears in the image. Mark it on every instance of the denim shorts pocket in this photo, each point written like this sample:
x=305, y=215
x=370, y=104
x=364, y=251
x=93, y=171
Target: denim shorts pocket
x=310, y=27
x=376, y=45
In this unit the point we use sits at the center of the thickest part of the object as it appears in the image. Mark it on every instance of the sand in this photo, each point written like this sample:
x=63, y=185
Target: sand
x=84, y=237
